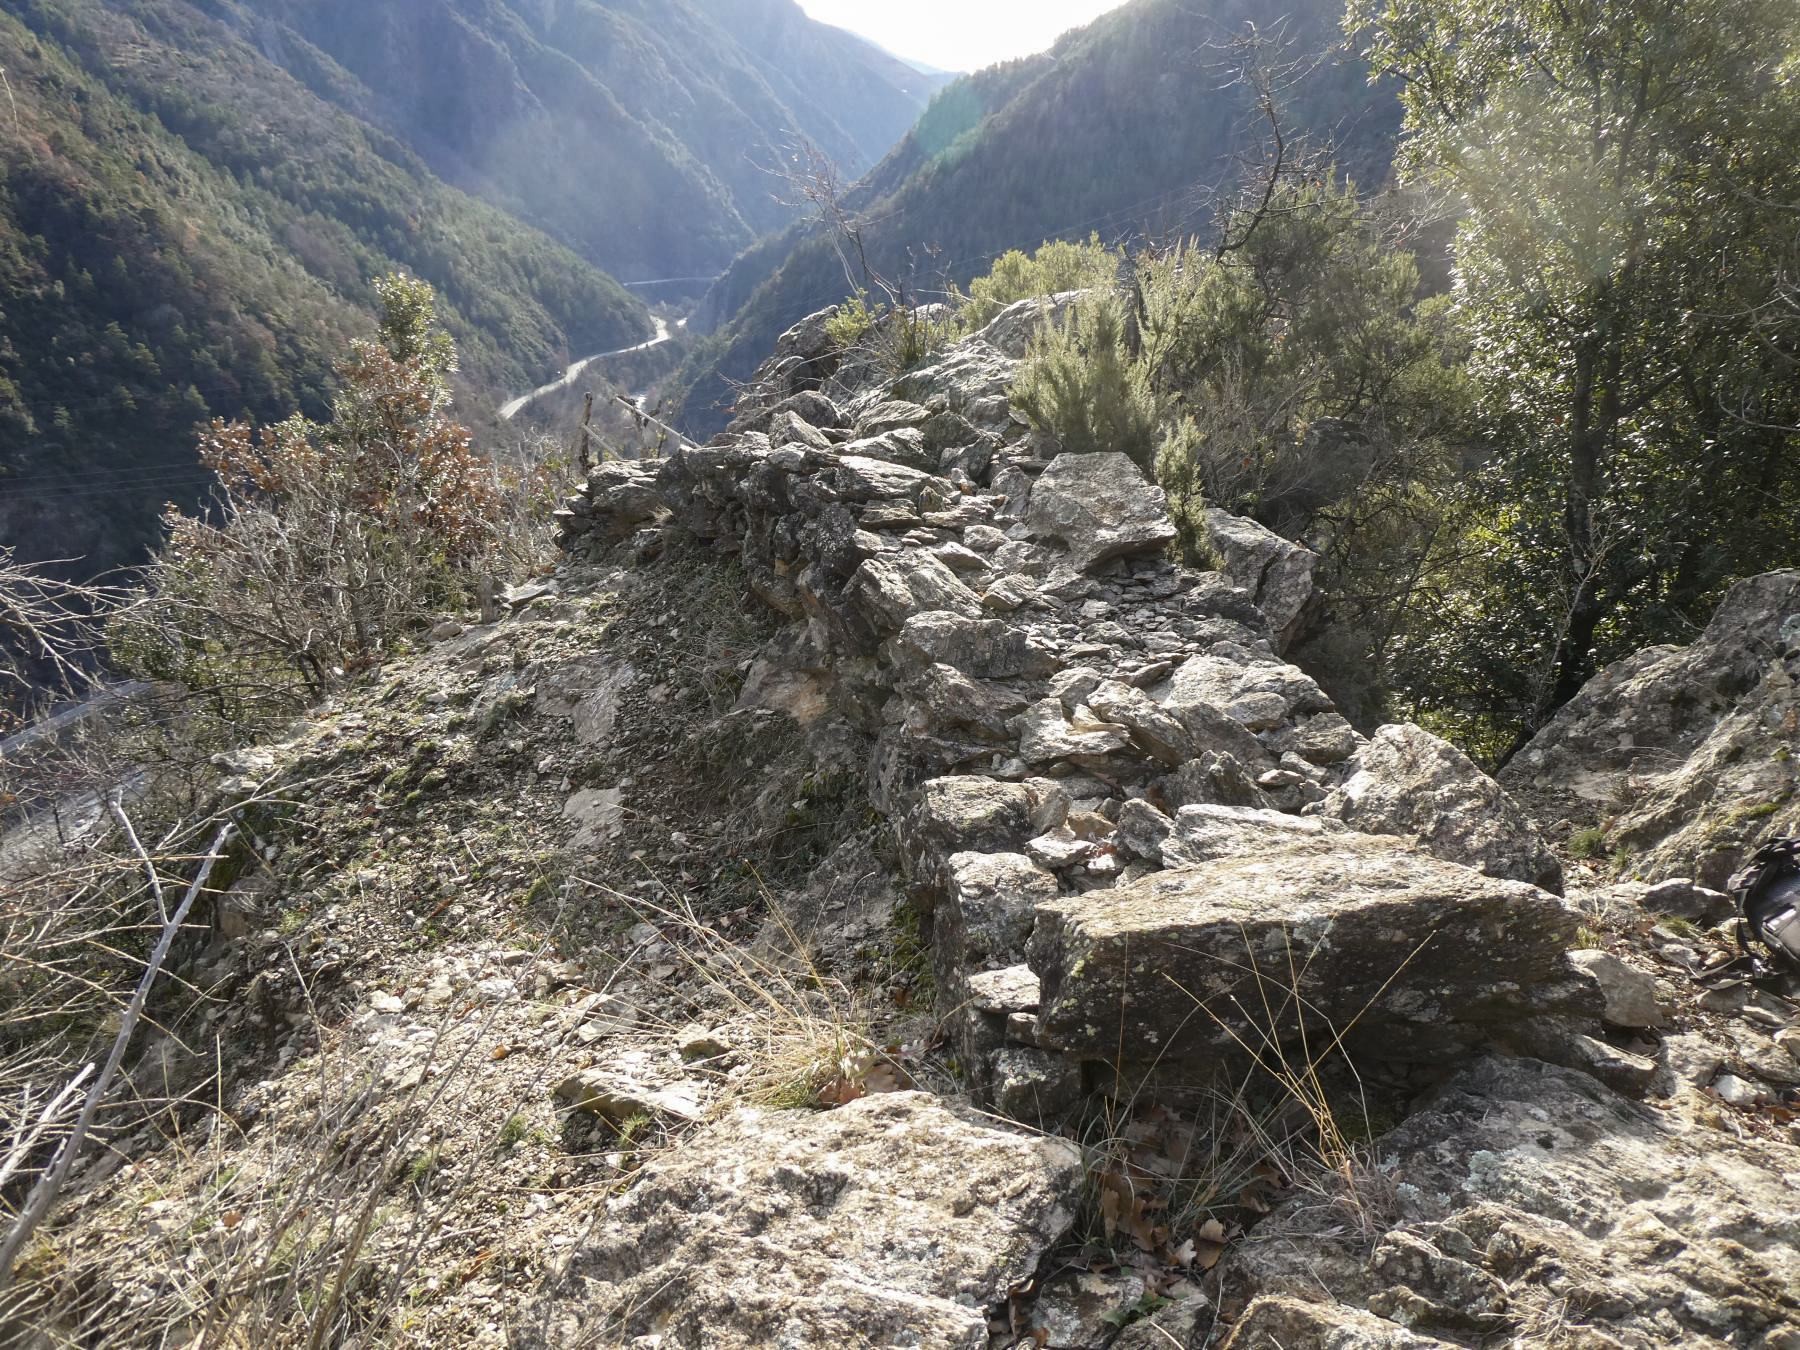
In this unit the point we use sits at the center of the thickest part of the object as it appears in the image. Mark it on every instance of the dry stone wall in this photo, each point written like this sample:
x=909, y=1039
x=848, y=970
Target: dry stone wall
x=1119, y=806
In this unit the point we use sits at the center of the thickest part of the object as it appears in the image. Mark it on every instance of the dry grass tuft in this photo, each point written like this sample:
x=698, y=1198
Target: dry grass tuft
x=804, y=1039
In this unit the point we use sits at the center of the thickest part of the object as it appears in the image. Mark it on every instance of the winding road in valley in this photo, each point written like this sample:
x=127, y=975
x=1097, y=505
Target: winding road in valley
x=510, y=410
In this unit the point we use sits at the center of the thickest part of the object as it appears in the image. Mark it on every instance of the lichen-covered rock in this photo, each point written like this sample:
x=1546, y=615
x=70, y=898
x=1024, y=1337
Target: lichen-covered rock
x=814, y=408
x=1302, y=1324
x=899, y=444
x=1153, y=729
x=974, y=377
x=941, y=696
x=890, y=416
x=1143, y=831
x=1410, y=783
x=618, y=1099
x=1276, y=572
x=969, y=813
x=789, y=428
x=1527, y=1196
x=877, y=484
x=1011, y=330
x=1200, y=703
x=1033, y=1085
x=1259, y=693
x=1083, y=1310
x=888, y=1222
x=888, y=591
x=1212, y=778
x=1412, y=957
x=1097, y=760
x=1099, y=507
x=1320, y=738
x=805, y=356
x=1680, y=897
x=1630, y=993
x=1183, y=1325
x=1048, y=736
x=985, y=648
x=1009, y=990
x=617, y=500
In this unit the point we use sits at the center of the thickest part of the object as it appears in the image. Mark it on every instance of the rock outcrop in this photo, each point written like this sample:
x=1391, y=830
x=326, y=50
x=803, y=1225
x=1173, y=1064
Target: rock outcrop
x=1410, y=783
x=1152, y=860
x=872, y=896
x=1684, y=756
x=1063, y=724
x=1525, y=1198
x=1408, y=958
x=1277, y=572
x=888, y=1222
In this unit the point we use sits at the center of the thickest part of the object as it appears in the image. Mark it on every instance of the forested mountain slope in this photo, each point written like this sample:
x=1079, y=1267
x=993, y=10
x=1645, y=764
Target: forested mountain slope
x=1121, y=128
x=645, y=134
x=197, y=196
x=185, y=232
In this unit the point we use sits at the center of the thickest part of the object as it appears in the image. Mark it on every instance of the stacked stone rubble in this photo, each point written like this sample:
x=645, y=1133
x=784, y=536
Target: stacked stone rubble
x=1116, y=800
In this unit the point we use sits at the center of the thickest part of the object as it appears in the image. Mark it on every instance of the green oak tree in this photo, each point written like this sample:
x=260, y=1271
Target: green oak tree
x=1629, y=197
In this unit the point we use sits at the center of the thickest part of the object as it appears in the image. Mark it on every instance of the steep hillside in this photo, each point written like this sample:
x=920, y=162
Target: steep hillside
x=645, y=134
x=1120, y=128
x=845, y=74
x=185, y=232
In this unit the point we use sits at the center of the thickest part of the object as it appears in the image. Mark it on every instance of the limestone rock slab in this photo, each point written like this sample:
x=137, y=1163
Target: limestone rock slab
x=1413, y=957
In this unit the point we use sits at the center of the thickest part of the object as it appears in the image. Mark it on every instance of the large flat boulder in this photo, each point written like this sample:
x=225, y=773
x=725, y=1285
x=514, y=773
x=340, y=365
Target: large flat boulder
x=1410, y=783
x=887, y=1222
x=1099, y=507
x=1409, y=956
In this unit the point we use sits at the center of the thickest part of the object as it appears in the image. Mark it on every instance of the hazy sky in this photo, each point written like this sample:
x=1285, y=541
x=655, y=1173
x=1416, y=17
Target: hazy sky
x=959, y=34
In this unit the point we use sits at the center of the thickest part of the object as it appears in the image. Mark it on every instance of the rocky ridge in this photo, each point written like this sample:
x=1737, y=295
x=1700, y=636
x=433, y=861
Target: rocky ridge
x=1054, y=710
x=1151, y=852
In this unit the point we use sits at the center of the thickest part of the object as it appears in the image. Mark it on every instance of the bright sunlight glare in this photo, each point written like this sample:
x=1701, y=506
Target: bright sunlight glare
x=960, y=35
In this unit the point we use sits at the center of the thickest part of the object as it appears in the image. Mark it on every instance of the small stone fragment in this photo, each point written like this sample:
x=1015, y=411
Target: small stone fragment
x=1735, y=1091
x=1630, y=993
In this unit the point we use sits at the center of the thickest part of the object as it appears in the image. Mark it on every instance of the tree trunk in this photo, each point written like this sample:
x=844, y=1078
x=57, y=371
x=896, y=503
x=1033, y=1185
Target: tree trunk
x=1573, y=662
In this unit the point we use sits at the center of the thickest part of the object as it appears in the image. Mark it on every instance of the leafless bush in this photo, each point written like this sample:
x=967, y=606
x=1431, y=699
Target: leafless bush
x=329, y=542
x=86, y=929
x=50, y=631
